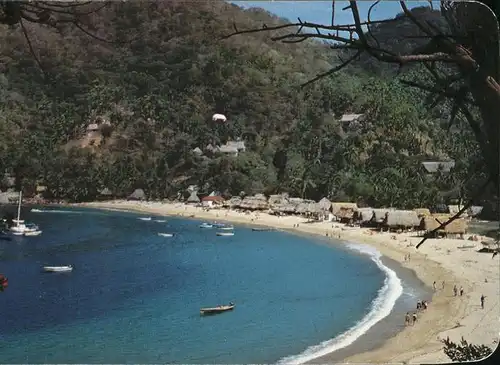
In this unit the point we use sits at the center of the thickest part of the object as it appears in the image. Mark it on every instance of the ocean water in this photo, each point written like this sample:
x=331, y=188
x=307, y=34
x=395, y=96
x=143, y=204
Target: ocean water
x=134, y=297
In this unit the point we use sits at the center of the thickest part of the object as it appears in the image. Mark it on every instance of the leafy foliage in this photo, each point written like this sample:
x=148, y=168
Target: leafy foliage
x=163, y=74
x=465, y=351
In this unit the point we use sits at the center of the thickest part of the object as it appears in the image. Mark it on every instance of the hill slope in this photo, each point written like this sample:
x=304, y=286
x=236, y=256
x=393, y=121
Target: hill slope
x=161, y=76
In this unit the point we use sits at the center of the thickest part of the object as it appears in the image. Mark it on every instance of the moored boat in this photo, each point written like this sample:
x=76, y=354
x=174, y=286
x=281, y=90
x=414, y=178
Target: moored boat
x=66, y=268
x=217, y=310
x=206, y=225
x=166, y=234
x=258, y=229
x=32, y=233
x=225, y=233
x=145, y=218
x=160, y=220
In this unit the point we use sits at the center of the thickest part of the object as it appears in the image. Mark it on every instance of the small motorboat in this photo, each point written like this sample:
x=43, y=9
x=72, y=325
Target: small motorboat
x=217, y=310
x=166, y=234
x=66, y=268
x=206, y=225
x=257, y=229
x=218, y=225
x=32, y=233
x=34, y=210
x=225, y=233
x=227, y=228
x=145, y=218
x=160, y=220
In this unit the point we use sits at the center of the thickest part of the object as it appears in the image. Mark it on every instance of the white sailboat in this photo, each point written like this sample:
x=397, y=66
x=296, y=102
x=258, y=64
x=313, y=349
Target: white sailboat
x=20, y=227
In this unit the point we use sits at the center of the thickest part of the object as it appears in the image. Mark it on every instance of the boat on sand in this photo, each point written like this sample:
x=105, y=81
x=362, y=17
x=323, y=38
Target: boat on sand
x=217, y=310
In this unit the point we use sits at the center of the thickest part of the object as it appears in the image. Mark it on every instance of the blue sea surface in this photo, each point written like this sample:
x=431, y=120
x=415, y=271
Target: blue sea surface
x=134, y=297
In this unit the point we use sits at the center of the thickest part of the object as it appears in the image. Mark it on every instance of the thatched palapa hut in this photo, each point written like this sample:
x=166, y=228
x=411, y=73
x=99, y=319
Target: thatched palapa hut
x=454, y=209
x=232, y=203
x=364, y=216
x=422, y=212
x=401, y=219
x=379, y=215
x=138, y=194
x=256, y=202
x=344, y=212
x=105, y=194
x=456, y=227
x=325, y=205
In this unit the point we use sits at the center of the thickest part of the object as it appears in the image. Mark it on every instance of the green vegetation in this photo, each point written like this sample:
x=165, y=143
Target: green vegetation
x=161, y=77
x=465, y=351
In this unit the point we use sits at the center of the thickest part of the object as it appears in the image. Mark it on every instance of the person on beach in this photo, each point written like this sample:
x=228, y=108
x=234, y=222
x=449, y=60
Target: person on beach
x=407, y=318
x=482, y=301
x=461, y=291
x=424, y=304
x=442, y=285
x=419, y=305
x=455, y=290
x=434, y=286
x=414, y=316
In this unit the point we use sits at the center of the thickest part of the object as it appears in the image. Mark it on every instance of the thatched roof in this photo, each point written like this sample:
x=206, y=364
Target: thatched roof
x=286, y=207
x=234, y=202
x=345, y=213
x=138, y=194
x=402, y=218
x=325, y=204
x=454, y=209
x=380, y=214
x=277, y=199
x=336, y=207
x=431, y=223
x=193, y=198
x=364, y=214
x=422, y=212
x=308, y=207
x=256, y=202
x=474, y=211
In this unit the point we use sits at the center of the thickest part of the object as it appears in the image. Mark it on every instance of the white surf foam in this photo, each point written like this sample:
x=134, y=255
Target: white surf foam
x=380, y=308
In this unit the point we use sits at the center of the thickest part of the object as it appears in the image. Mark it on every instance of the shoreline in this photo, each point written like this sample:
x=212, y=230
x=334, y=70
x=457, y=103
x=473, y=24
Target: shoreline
x=437, y=260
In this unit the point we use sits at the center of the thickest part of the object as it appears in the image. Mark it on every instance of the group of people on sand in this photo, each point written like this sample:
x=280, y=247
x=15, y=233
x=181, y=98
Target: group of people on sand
x=412, y=318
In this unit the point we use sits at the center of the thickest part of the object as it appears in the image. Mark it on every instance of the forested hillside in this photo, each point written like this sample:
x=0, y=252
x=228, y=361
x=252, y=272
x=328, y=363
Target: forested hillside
x=158, y=75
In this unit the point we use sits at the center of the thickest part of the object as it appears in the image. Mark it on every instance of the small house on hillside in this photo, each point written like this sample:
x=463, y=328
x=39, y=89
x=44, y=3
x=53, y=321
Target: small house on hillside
x=137, y=195
x=432, y=167
x=212, y=201
x=105, y=194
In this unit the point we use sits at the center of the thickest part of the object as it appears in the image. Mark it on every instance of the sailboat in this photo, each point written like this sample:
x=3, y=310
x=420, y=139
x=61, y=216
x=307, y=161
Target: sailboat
x=20, y=227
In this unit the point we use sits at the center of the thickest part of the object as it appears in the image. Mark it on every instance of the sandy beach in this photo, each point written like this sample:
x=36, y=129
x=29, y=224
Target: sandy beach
x=444, y=261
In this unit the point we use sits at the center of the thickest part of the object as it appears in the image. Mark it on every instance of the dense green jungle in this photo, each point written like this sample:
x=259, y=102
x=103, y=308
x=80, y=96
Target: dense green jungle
x=161, y=71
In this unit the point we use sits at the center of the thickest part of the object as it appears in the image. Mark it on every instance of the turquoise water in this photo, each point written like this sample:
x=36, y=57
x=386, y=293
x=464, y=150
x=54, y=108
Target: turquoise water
x=134, y=297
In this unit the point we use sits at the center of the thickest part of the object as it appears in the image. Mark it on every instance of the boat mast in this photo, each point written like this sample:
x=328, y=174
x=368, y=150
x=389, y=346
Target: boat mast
x=19, y=206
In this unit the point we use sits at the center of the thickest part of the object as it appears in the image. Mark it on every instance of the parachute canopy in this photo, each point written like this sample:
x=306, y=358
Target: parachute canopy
x=219, y=117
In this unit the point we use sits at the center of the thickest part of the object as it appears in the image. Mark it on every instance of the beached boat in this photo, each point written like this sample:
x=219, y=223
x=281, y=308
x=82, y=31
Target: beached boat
x=263, y=229
x=33, y=233
x=225, y=233
x=206, y=225
x=217, y=310
x=166, y=234
x=145, y=218
x=20, y=227
x=66, y=268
